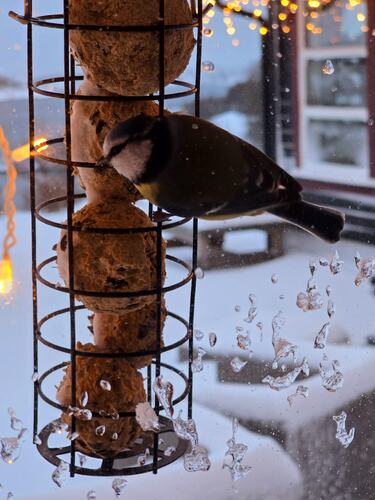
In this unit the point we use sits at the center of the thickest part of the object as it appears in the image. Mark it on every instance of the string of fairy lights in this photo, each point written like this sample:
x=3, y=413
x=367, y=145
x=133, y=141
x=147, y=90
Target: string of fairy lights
x=256, y=11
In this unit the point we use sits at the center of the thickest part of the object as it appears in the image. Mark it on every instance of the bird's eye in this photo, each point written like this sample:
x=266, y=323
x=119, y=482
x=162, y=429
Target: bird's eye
x=116, y=150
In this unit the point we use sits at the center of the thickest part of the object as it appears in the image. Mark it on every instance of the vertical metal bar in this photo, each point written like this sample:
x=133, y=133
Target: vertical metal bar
x=159, y=233
x=269, y=84
x=198, y=72
x=70, y=210
x=30, y=77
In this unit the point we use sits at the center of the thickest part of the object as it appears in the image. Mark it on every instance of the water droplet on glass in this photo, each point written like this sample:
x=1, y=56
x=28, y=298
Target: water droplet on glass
x=198, y=334
x=58, y=427
x=309, y=301
x=208, y=32
x=237, y=364
x=344, y=437
x=332, y=377
x=208, y=66
x=366, y=268
x=186, y=429
x=15, y=423
x=115, y=415
x=243, y=341
x=212, y=337
x=199, y=273
x=237, y=309
x=300, y=391
x=73, y=436
x=164, y=392
x=253, y=311
x=274, y=279
x=321, y=338
x=328, y=290
x=328, y=67
x=312, y=266
x=85, y=414
x=35, y=377
x=118, y=485
x=169, y=451
x=234, y=455
x=336, y=264
x=285, y=381
x=37, y=440
x=330, y=308
x=105, y=385
x=281, y=346
x=11, y=447
x=142, y=459
x=82, y=460
x=260, y=328
x=60, y=474
x=146, y=417
x=197, y=364
x=114, y=436
x=100, y=430
x=91, y=495
x=323, y=262
x=197, y=460
x=282, y=296
x=84, y=399
x=195, y=126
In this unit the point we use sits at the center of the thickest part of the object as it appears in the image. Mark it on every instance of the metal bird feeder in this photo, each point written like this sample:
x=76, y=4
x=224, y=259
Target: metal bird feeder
x=124, y=463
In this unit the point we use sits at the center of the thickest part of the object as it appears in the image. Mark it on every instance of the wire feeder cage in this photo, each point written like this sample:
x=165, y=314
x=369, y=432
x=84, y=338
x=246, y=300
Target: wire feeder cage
x=124, y=463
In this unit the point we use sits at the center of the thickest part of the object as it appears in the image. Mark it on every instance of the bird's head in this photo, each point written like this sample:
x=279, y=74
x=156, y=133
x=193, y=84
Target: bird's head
x=128, y=147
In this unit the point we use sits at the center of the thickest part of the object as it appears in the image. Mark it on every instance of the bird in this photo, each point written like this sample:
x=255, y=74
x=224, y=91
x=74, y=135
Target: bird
x=189, y=167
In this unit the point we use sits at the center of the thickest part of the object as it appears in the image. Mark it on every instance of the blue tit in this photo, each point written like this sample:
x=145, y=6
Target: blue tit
x=192, y=168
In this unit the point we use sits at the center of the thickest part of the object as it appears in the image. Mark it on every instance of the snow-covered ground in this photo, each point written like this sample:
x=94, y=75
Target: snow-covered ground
x=218, y=293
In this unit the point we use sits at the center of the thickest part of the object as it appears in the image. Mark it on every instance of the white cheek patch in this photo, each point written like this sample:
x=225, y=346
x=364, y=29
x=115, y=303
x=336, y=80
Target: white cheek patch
x=131, y=162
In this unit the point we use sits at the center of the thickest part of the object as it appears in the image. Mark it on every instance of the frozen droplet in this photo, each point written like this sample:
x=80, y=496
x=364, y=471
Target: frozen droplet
x=208, y=66
x=212, y=337
x=336, y=264
x=100, y=430
x=252, y=299
x=260, y=328
x=312, y=266
x=366, y=269
x=239, y=329
x=169, y=451
x=195, y=126
x=208, y=32
x=118, y=485
x=321, y=338
x=82, y=460
x=142, y=459
x=105, y=385
x=114, y=436
x=357, y=258
x=197, y=364
x=199, y=273
x=309, y=301
x=285, y=381
x=37, y=440
x=282, y=296
x=164, y=392
x=198, y=334
x=330, y=308
x=73, y=436
x=235, y=454
x=91, y=495
x=237, y=309
x=85, y=414
x=311, y=285
x=115, y=415
x=60, y=474
x=146, y=417
x=11, y=447
x=253, y=311
x=274, y=279
x=282, y=347
x=237, y=364
x=323, y=262
x=15, y=423
x=84, y=399
x=186, y=429
x=332, y=377
x=300, y=391
x=243, y=341
x=58, y=426
x=35, y=377
x=328, y=290
x=344, y=437
x=197, y=460
x=328, y=67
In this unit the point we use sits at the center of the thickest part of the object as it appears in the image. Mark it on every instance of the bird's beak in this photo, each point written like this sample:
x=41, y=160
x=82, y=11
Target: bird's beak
x=103, y=163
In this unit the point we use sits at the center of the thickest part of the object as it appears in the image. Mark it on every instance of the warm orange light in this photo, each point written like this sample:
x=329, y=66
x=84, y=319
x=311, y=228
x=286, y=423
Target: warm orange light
x=23, y=152
x=6, y=276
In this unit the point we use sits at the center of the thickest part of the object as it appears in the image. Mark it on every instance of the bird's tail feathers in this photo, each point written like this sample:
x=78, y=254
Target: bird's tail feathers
x=323, y=222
